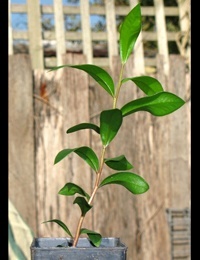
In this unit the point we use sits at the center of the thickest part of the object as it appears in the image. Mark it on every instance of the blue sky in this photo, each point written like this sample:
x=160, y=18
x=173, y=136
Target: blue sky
x=19, y=21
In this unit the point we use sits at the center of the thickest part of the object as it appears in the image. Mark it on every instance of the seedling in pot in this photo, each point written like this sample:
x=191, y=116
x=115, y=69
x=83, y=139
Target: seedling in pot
x=156, y=101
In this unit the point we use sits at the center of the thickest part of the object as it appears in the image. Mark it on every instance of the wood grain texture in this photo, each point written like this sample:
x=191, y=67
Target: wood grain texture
x=67, y=93
x=21, y=138
x=158, y=148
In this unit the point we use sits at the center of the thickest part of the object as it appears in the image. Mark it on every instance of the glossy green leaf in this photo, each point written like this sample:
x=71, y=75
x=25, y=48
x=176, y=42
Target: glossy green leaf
x=147, y=84
x=160, y=104
x=129, y=32
x=131, y=181
x=110, y=122
x=61, y=224
x=118, y=163
x=83, y=204
x=70, y=189
x=94, y=237
x=97, y=73
x=83, y=126
x=86, y=153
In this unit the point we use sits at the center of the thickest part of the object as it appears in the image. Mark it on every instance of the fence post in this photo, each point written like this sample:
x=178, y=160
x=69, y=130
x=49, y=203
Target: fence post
x=34, y=32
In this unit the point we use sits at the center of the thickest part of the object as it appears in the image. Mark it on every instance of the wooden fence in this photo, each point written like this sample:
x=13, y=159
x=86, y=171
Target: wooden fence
x=43, y=105
x=161, y=35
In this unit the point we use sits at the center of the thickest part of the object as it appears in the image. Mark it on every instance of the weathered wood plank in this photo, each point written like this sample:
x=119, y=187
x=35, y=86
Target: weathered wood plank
x=166, y=148
x=104, y=210
x=179, y=142
x=150, y=135
x=158, y=147
x=125, y=202
x=62, y=106
x=21, y=139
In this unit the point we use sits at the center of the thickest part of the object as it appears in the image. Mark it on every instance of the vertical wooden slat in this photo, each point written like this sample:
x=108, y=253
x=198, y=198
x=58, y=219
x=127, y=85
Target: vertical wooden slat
x=184, y=39
x=60, y=31
x=125, y=202
x=162, y=33
x=21, y=138
x=139, y=64
x=35, y=34
x=155, y=230
x=61, y=101
x=184, y=14
x=179, y=142
x=86, y=31
x=10, y=36
x=75, y=96
x=111, y=30
x=103, y=210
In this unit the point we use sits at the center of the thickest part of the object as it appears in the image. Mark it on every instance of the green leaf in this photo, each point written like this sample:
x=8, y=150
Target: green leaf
x=148, y=85
x=94, y=237
x=83, y=126
x=129, y=31
x=131, y=181
x=110, y=122
x=97, y=73
x=61, y=224
x=118, y=163
x=70, y=189
x=86, y=153
x=160, y=104
x=84, y=206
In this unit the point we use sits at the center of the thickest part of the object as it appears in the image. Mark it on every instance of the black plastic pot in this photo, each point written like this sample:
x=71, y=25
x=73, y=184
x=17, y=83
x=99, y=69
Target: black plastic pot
x=50, y=248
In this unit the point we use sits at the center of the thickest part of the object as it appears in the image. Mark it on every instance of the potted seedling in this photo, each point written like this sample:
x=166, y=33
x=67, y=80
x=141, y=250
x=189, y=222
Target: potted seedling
x=156, y=101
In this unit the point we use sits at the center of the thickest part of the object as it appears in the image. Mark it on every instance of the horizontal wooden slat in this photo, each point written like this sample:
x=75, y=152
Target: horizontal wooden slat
x=18, y=8
x=101, y=36
x=47, y=9
x=96, y=36
x=152, y=36
x=97, y=10
x=20, y=35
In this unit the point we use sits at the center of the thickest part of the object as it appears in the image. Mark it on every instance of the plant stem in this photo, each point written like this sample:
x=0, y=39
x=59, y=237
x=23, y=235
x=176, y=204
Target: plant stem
x=78, y=231
x=118, y=86
x=98, y=177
